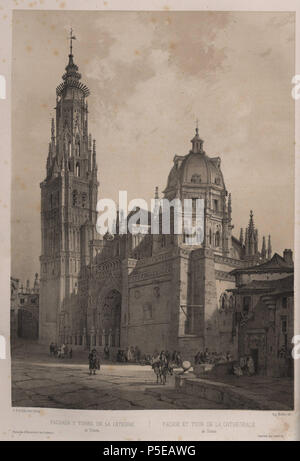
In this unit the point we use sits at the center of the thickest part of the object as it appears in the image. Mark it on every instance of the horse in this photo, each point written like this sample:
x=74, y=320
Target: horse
x=162, y=368
x=156, y=369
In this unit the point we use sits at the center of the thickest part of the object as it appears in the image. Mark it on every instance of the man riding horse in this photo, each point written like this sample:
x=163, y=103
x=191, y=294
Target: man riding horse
x=161, y=366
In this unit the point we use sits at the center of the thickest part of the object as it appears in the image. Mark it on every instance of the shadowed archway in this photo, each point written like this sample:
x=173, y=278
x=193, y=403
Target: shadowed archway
x=110, y=317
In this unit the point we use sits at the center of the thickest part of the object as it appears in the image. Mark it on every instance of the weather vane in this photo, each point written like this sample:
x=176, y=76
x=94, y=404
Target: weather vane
x=72, y=37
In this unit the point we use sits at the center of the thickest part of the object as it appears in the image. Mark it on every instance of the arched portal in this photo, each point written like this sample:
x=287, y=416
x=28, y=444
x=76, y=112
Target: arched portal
x=110, y=317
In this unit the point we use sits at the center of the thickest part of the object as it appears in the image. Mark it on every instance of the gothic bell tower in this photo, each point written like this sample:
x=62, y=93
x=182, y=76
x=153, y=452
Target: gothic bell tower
x=68, y=201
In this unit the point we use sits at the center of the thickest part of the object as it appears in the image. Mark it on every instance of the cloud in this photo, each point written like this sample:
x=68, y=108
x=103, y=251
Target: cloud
x=151, y=75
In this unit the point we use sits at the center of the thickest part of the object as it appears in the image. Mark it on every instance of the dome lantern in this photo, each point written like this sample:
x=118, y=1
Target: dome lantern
x=197, y=143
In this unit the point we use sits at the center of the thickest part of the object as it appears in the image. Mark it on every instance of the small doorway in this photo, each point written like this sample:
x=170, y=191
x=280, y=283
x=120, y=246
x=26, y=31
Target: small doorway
x=254, y=355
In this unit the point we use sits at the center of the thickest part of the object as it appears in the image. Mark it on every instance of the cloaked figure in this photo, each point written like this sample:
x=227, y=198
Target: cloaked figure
x=94, y=363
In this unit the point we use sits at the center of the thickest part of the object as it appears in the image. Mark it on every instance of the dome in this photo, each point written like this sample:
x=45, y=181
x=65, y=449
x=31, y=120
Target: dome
x=201, y=169
x=195, y=169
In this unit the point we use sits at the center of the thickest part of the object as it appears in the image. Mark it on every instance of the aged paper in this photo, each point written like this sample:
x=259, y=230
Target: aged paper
x=149, y=220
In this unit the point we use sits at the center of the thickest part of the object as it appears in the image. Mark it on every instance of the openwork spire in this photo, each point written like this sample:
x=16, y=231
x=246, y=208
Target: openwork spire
x=251, y=238
x=263, y=248
x=71, y=78
x=251, y=223
x=269, y=253
x=241, y=236
x=52, y=130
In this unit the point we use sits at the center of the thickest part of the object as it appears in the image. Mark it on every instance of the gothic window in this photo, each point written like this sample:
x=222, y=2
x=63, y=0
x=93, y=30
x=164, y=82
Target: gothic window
x=83, y=199
x=210, y=237
x=78, y=148
x=196, y=179
x=223, y=301
x=194, y=204
x=78, y=169
x=75, y=196
x=69, y=149
x=217, y=239
x=216, y=205
x=172, y=224
x=217, y=180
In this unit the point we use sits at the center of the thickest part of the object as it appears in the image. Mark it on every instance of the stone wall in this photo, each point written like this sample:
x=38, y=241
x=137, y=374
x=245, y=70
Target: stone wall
x=149, y=312
x=49, y=301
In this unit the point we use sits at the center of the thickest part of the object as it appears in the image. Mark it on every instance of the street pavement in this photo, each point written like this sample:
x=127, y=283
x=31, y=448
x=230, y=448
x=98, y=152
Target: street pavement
x=39, y=380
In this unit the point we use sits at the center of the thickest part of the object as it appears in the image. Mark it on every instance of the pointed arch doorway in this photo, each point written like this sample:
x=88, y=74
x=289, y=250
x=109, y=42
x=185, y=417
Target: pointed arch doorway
x=110, y=318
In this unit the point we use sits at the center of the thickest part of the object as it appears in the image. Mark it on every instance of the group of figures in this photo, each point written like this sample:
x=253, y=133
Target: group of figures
x=60, y=352
x=212, y=357
x=163, y=364
x=130, y=354
x=244, y=367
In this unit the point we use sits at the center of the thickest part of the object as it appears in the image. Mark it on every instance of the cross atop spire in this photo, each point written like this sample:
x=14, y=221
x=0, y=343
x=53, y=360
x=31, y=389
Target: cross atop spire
x=72, y=37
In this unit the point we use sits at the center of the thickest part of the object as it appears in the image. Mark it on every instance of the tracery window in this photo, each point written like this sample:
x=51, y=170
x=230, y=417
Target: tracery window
x=75, y=196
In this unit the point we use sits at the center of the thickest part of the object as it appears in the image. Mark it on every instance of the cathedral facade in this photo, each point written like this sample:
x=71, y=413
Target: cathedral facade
x=151, y=291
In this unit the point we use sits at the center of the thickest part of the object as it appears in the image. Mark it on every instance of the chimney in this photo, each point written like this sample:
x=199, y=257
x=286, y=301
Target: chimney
x=288, y=256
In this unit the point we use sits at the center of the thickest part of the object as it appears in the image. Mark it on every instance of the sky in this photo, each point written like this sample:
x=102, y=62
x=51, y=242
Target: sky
x=151, y=75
